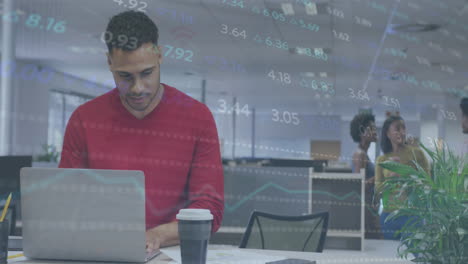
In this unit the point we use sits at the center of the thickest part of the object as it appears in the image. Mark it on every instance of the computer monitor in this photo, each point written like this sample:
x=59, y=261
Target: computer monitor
x=318, y=165
x=10, y=167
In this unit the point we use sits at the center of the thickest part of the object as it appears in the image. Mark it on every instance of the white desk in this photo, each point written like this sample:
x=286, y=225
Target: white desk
x=376, y=251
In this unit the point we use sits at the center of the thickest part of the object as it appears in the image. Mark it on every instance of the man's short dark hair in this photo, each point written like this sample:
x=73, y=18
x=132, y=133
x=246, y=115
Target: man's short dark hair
x=134, y=26
x=359, y=124
x=464, y=106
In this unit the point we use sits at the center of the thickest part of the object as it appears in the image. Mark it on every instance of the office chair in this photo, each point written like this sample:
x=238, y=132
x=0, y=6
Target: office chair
x=278, y=232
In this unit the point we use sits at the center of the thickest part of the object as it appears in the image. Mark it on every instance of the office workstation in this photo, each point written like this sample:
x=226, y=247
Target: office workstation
x=255, y=131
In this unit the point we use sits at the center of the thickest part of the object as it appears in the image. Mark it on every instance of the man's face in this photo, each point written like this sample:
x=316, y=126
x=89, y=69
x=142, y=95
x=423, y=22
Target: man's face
x=465, y=124
x=137, y=75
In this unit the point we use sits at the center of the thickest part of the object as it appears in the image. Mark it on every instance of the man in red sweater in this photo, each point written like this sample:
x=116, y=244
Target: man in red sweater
x=146, y=125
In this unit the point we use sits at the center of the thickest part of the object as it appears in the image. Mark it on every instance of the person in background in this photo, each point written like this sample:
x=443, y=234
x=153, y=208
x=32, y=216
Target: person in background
x=464, y=123
x=364, y=132
x=464, y=108
x=394, y=147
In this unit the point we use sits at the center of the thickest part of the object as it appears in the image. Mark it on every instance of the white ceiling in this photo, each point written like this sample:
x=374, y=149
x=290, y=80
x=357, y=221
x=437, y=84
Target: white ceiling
x=79, y=51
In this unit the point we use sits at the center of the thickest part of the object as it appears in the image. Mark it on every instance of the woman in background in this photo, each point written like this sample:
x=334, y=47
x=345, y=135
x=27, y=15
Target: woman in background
x=364, y=132
x=394, y=147
x=464, y=109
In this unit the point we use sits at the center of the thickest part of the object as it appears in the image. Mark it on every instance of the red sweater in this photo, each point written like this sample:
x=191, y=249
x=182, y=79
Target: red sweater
x=176, y=146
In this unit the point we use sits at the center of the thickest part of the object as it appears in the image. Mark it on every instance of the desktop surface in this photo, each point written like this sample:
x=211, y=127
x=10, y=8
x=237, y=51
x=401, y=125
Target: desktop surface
x=376, y=251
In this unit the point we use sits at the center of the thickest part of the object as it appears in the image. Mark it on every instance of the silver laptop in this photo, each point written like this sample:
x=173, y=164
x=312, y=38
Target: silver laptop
x=84, y=214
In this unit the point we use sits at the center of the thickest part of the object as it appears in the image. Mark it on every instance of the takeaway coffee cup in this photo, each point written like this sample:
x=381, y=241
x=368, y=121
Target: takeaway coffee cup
x=194, y=234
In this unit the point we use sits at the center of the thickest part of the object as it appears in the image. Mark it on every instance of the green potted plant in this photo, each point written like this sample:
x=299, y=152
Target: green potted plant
x=50, y=154
x=439, y=201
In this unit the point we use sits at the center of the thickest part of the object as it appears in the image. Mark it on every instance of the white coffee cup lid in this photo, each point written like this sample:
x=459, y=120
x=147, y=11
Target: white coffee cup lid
x=194, y=214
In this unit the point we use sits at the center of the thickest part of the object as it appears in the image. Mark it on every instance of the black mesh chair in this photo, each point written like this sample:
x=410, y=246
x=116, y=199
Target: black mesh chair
x=293, y=233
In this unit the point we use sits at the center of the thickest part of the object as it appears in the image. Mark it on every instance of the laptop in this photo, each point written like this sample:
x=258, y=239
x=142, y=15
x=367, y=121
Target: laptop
x=84, y=214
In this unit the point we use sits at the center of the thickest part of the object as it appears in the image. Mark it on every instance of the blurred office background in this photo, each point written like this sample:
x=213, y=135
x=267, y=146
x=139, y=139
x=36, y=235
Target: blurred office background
x=283, y=78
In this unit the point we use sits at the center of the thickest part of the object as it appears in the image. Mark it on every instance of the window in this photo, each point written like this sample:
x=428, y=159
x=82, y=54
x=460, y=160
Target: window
x=61, y=107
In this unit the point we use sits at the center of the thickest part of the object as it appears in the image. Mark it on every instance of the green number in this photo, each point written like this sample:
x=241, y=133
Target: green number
x=60, y=27
x=324, y=56
x=282, y=18
x=12, y=17
x=324, y=86
x=179, y=53
x=169, y=49
x=278, y=44
x=189, y=57
x=314, y=85
x=33, y=20
x=313, y=27
x=258, y=39
x=255, y=10
x=51, y=22
x=301, y=22
x=275, y=15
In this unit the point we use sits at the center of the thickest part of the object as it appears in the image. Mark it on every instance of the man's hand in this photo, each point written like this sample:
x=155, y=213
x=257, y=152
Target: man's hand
x=162, y=236
x=153, y=240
